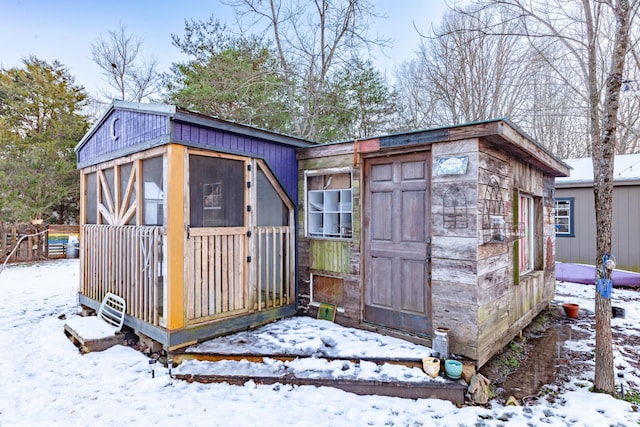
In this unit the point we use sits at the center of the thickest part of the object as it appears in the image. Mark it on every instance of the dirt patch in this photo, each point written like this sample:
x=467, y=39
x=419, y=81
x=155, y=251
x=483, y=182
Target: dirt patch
x=537, y=361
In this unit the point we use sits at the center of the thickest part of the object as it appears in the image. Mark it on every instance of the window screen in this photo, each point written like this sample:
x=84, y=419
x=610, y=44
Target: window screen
x=92, y=200
x=216, y=192
x=271, y=209
x=153, y=191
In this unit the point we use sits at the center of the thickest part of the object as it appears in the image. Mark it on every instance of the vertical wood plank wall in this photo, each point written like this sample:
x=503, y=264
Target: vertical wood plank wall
x=136, y=130
x=336, y=259
x=280, y=158
x=454, y=250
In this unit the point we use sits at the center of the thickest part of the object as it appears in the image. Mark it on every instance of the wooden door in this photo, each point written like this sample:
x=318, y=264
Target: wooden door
x=216, y=252
x=396, y=232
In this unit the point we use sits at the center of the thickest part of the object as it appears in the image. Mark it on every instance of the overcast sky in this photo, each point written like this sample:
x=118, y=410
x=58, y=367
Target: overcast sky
x=65, y=29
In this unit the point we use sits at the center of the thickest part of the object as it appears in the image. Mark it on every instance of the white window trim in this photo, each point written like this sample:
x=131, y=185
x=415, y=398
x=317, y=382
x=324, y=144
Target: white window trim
x=319, y=172
x=527, y=243
x=570, y=202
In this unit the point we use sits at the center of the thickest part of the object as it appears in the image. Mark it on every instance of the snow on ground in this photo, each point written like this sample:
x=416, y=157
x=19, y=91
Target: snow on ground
x=44, y=380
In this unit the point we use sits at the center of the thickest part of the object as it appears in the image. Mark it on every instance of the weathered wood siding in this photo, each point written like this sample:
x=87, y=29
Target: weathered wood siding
x=474, y=289
x=330, y=257
x=506, y=306
x=454, y=248
x=280, y=158
x=495, y=278
x=135, y=131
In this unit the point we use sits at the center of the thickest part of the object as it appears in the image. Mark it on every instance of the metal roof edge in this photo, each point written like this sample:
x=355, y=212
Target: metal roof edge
x=542, y=147
x=193, y=117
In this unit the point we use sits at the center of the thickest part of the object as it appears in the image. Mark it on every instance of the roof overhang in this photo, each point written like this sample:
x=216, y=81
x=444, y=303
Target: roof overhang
x=500, y=133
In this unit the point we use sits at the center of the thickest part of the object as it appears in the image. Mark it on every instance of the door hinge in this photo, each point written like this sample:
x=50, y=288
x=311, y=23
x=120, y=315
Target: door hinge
x=249, y=233
x=248, y=184
x=248, y=208
x=249, y=258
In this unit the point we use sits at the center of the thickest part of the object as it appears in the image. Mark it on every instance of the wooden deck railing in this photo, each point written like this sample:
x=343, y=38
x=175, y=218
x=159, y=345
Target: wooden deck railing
x=125, y=260
x=274, y=264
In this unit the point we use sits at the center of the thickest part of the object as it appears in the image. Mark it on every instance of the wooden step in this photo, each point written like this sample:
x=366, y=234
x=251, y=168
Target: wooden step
x=88, y=345
x=452, y=390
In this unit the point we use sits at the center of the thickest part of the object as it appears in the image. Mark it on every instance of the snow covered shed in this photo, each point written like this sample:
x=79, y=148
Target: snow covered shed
x=190, y=219
x=450, y=227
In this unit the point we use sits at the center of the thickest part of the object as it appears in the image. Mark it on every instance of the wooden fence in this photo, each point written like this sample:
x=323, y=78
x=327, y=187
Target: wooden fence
x=24, y=242
x=62, y=241
x=125, y=260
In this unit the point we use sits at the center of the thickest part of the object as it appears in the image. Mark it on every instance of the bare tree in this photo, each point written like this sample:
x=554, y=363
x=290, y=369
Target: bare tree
x=462, y=74
x=593, y=65
x=312, y=40
x=119, y=56
x=554, y=116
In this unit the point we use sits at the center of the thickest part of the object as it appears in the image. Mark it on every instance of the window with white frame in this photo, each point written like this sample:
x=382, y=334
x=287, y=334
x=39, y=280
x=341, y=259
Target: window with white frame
x=564, y=217
x=526, y=211
x=329, y=204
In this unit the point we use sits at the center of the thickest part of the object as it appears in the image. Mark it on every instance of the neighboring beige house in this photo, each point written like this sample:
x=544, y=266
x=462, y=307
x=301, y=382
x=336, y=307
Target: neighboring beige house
x=575, y=213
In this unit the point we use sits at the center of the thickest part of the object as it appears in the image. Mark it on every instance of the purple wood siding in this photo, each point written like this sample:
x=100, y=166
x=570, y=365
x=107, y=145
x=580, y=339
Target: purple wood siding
x=132, y=128
x=280, y=158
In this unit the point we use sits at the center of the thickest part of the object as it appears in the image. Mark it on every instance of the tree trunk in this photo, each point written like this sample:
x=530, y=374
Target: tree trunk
x=603, y=160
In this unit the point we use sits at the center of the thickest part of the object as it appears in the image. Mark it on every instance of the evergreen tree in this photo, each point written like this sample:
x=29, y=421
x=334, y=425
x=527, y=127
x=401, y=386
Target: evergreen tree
x=232, y=77
x=40, y=124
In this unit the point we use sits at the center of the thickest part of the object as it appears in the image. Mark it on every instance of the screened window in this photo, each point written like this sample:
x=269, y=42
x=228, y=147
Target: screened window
x=92, y=199
x=329, y=206
x=217, y=192
x=527, y=233
x=271, y=209
x=564, y=217
x=153, y=191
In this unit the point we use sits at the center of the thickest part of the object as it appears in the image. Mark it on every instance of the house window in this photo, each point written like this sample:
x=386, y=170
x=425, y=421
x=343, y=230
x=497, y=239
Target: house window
x=329, y=205
x=564, y=217
x=527, y=232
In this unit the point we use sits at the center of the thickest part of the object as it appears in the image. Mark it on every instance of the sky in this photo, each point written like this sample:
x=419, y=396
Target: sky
x=64, y=29
x=44, y=380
